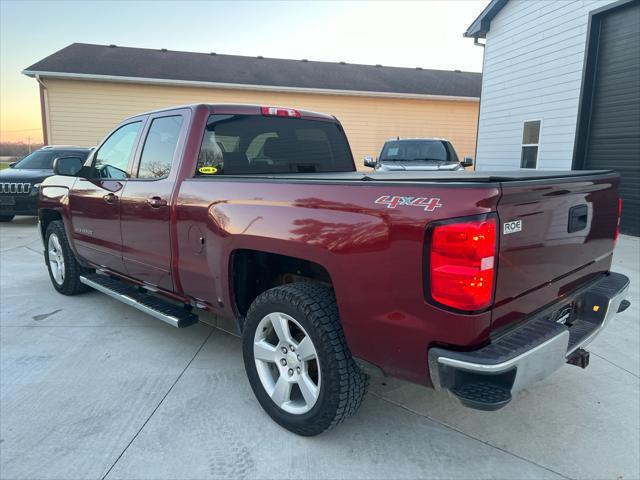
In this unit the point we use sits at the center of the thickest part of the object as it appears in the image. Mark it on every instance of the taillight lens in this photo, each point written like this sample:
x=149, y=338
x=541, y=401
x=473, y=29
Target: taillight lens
x=462, y=264
x=619, y=217
x=280, y=112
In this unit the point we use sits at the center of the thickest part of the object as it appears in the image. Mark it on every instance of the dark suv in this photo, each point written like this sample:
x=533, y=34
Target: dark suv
x=19, y=184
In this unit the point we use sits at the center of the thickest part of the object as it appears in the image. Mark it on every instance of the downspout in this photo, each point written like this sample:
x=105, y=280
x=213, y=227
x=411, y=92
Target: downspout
x=478, y=44
x=44, y=109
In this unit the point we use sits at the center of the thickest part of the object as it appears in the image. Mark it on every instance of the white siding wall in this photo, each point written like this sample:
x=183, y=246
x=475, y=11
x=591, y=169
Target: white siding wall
x=533, y=71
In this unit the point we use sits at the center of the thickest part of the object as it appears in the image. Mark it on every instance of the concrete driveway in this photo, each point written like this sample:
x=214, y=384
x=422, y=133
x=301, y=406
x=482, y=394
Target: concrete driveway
x=91, y=388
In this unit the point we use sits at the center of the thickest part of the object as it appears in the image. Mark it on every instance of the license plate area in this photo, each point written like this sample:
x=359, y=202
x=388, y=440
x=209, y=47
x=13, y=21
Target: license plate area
x=7, y=200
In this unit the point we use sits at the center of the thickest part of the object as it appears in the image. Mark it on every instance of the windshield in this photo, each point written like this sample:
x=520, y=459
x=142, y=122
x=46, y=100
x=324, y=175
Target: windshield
x=43, y=159
x=414, y=150
x=252, y=144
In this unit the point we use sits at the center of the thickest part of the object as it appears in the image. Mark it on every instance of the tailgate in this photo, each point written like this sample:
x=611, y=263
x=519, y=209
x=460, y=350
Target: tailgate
x=556, y=234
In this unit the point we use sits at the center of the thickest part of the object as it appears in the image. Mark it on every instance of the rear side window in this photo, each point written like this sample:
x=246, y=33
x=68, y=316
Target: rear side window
x=254, y=144
x=160, y=147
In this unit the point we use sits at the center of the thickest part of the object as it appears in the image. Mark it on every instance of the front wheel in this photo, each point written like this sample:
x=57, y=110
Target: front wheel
x=64, y=269
x=297, y=359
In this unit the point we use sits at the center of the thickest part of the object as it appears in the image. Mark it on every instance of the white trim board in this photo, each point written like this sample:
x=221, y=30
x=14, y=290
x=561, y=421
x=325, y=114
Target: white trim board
x=240, y=86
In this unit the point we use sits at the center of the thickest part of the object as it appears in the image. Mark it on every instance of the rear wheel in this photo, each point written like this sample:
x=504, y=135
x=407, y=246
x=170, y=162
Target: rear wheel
x=297, y=359
x=6, y=218
x=64, y=269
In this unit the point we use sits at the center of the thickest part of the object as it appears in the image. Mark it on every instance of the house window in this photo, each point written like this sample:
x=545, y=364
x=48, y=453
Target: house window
x=530, y=143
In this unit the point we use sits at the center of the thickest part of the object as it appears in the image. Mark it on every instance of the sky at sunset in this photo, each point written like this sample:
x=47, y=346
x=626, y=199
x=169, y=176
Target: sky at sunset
x=426, y=34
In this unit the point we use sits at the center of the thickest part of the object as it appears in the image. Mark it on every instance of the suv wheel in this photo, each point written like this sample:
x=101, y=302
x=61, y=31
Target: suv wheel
x=64, y=269
x=297, y=359
x=6, y=218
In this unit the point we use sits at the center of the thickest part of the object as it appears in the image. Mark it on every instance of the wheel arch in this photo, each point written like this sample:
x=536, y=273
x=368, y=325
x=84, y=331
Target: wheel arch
x=48, y=214
x=45, y=217
x=252, y=272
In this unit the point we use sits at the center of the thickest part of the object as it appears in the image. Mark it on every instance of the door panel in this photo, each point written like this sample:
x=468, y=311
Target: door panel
x=145, y=231
x=95, y=202
x=95, y=215
x=146, y=202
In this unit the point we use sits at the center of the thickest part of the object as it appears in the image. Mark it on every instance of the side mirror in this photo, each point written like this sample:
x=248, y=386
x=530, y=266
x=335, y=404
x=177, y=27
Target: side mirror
x=67, y=166
x=369, y=161
x=467, y=162
x=12, y=164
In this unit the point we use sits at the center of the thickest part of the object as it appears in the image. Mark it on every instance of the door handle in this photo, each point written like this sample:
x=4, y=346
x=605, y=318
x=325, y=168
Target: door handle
x=156, y=202
x=110, y=198
x=578, y=218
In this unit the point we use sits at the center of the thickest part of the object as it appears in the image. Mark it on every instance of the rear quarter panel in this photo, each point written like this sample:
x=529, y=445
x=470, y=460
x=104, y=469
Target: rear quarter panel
x=374, y=255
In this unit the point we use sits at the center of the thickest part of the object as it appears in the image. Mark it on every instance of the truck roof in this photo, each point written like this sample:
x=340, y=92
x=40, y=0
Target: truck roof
x=240, y=109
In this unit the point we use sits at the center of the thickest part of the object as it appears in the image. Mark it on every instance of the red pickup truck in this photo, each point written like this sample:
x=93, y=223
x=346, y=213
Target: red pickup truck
x=474, y=283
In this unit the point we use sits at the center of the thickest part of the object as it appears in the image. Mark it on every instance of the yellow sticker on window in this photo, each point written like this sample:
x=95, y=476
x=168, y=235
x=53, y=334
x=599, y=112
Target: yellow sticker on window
x=208, y=170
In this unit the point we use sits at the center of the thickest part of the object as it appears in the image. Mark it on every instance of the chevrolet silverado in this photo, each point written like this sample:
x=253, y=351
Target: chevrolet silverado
x=492, y=281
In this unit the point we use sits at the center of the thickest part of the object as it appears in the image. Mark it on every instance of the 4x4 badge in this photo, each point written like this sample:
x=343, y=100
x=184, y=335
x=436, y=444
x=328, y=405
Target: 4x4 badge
x=392, y=201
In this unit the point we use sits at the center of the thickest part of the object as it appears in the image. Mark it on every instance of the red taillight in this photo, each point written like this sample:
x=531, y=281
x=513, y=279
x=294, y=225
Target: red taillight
x=280, y=112
x=619, y=217
x=462, y=264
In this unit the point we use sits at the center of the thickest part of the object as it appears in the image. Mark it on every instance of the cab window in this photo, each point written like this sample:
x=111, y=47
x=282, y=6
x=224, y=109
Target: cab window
x=112, y=158
x=252, y=144
x=160, y=147
x=255, y=151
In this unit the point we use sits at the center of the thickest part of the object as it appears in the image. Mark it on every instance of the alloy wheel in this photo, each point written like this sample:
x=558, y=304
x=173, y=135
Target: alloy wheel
x=287, y=363
x=56, y=258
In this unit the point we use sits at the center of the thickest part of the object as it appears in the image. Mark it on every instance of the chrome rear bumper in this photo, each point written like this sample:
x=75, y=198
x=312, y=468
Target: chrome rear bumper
x=486, y=378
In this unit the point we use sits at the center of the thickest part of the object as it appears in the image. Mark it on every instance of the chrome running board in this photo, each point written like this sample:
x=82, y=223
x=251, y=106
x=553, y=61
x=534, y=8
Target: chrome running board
x=150, y=304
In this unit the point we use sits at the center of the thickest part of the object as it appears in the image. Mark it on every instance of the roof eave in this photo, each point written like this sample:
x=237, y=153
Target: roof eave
x=481, y=25
x=237, y=86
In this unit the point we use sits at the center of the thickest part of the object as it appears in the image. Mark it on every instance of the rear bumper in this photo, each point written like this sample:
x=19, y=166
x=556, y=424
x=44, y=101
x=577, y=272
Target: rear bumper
x=486, y=378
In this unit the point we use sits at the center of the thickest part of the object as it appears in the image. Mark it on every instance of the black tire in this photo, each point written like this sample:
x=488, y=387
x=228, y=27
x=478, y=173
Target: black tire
x=72, y=269
x=6, y=218
x=343, y=384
